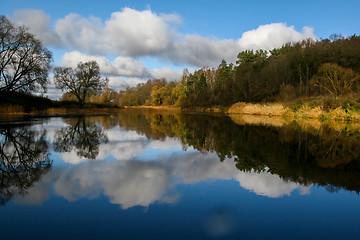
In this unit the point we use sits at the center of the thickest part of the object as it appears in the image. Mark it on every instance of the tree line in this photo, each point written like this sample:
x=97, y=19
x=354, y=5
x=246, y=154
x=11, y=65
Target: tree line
x=307, y=68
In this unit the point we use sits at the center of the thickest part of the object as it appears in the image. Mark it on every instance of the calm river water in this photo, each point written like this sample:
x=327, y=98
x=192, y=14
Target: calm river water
x=188, y=176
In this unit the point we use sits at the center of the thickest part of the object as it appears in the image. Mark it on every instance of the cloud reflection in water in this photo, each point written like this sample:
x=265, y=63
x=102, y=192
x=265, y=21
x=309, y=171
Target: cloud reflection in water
x=135, y=182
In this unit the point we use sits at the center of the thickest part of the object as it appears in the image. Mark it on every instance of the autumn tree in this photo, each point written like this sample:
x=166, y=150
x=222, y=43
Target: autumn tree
x=335, y=79
x=81, y=81
x=24, y=61
x=108, y=96
x=68, y=97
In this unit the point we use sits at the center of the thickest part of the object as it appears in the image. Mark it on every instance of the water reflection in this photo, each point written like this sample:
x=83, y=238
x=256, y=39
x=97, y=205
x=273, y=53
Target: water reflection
x=140, y=158
x=24, y=159
x=324, y=156
x=138, y=183
x=80, y=135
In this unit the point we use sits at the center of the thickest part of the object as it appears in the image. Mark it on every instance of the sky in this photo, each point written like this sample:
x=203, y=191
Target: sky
x=137, y=40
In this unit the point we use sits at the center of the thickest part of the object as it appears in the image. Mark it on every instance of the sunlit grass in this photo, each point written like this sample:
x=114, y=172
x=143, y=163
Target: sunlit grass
x=266, y=109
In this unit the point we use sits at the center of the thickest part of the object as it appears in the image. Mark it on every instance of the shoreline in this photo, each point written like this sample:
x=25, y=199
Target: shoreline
x=287, y=111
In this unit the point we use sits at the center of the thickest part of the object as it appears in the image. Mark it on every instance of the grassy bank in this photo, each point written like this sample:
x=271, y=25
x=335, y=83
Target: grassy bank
x=322, y=108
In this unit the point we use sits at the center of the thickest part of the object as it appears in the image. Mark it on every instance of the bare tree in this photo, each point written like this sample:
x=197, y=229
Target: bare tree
x=81, y=81
x=82, y=136
x=24, y=159
x=24, y=62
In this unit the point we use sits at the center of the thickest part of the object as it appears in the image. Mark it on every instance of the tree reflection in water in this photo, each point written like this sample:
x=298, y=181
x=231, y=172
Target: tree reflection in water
x=23, y=160
x=81, y=135
x=326, y=156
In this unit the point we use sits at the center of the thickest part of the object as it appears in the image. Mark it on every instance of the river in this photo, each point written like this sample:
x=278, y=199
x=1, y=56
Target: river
x=151, y=175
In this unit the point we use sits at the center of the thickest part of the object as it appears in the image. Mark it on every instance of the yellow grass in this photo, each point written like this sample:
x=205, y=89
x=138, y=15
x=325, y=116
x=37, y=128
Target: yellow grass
x=160, y=108
x=304, y=112
x=266, y=109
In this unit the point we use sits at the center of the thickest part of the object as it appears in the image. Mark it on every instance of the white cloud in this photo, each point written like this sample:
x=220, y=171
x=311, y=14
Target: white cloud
x=127, y=32
x=127, y=183
x=167, y=73
x=143, y=33
x=123, y=150
x=273, y=35
x=121, y=66
x=138, y=33
x=167, y=144
x=120, y=134
x=118, y=83
x=73, y=158
x=132, y=33
x=39, y=25
x=268, y=184
x=80, y=33
x=132, y=183
x=201, y=51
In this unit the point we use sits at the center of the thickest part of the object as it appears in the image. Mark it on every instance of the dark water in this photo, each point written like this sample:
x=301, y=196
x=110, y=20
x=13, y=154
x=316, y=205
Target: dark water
x=164, y=176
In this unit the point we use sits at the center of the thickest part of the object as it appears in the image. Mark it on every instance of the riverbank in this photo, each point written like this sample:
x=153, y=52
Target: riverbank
x=318, y=108
x=321, y=108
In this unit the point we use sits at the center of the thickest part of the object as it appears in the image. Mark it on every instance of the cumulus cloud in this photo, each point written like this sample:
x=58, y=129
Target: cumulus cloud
x=267, y=184
x=201, y=51
x=119, y=134
x=121, y=66
x=132, y=182
x=118, y=83
x=127, y=32
x=131, y=33
x=273, y=35
x=81, y=33
x=39, y=24
x=150, y=34
x=127, y=183
x=73, y=158
x=167, y=144
x=167, y=73
x=138, y=33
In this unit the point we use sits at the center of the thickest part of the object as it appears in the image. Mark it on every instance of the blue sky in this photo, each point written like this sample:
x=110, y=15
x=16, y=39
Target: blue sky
x=137, y=40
